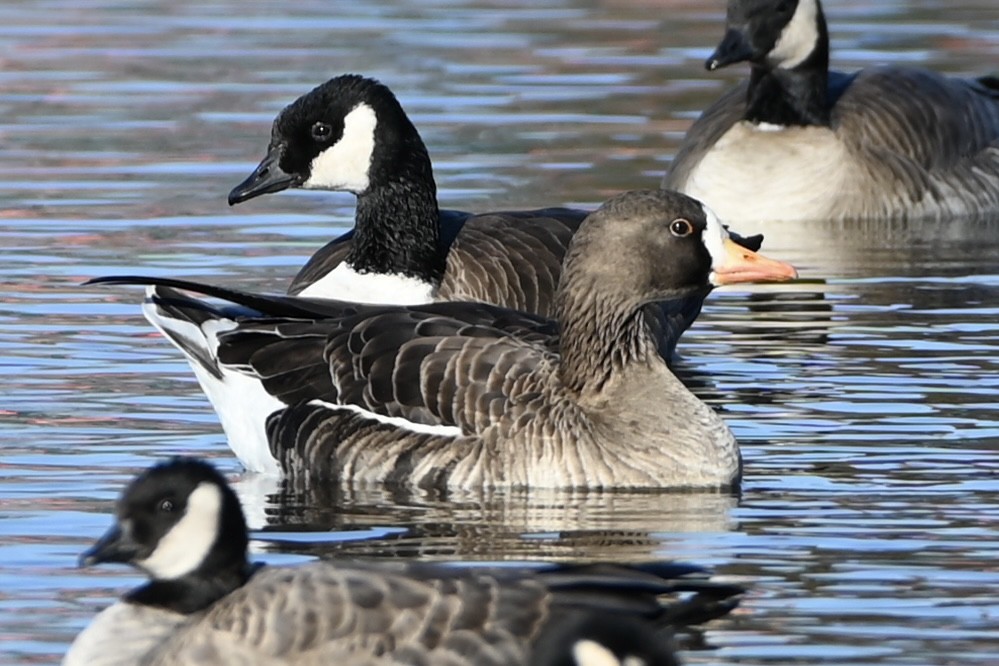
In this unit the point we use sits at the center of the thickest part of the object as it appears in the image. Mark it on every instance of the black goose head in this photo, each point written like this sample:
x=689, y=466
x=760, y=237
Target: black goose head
x=178, y=519
x=656, y=245
x=772, y=34
x=349, y=134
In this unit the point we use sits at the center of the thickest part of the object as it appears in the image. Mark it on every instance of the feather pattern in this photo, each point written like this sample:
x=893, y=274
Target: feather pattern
x=396, y=614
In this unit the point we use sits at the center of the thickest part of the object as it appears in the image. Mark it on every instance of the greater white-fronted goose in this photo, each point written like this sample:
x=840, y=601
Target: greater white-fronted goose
x=471, y=395
x=205, y=603
x=351, y=134
x=799, y=142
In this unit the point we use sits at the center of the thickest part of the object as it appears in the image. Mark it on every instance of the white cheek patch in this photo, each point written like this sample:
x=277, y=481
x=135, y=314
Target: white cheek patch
x=345, y=165
x=186, y=545
x=714, y=238
x=799, y=37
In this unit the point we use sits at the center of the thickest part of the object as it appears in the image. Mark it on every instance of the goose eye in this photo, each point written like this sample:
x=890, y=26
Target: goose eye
x=680, y=228
x=783, y=7
x=166, y=506
x=321, y=131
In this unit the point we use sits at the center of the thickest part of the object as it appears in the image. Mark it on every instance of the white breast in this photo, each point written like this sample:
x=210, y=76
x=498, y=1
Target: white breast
x=345, y=165
x=755, y=174
x=345, y=284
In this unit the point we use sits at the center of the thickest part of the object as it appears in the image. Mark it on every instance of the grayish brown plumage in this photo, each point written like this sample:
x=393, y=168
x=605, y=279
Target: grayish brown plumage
x=800, y=142
x=220, y=609
x=603, y=411
x=470, y=395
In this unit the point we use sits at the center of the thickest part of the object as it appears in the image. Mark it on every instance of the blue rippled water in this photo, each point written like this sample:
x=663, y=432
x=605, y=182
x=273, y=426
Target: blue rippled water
x=866, y=395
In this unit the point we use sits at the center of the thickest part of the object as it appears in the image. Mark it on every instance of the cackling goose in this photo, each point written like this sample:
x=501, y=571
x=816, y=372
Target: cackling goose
x=799, y=142
x=351, y=134
x=471, y=395
x=206, y=603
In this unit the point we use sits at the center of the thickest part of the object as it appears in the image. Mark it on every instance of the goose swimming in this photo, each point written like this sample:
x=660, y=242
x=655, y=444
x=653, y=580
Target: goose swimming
x=471, y=395
x=801, y=142
x=205, y=602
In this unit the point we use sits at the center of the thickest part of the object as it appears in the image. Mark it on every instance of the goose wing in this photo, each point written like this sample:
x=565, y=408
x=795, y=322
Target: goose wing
x=416, y=363
x=307, y=614
x=513, y=259
x=316, y=349
x=929, y=141
x=418, y=613
x=936, y=121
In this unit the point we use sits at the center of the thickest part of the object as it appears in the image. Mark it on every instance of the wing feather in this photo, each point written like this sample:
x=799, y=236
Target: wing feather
x=400, y=362
x=513, y=259
x=417, y=613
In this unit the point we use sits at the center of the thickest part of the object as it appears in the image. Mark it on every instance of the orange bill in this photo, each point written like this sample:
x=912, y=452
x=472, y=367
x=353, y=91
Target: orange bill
x=742, y=265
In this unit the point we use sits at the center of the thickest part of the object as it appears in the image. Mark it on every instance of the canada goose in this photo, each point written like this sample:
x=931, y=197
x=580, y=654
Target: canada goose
x=471, y=395
x=351, y=134
x=799, y=142
x=205, y=603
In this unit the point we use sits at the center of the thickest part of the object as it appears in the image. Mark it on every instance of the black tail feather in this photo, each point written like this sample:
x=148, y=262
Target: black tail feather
x=699, y=601
x=295, y=307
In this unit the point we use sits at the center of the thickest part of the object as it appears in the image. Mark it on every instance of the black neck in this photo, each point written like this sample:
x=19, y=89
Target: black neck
x=191, y=593
x=397, y=226
x=796, y=96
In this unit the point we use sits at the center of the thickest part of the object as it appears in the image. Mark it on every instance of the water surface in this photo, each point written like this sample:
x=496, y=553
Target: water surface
x=865, y=396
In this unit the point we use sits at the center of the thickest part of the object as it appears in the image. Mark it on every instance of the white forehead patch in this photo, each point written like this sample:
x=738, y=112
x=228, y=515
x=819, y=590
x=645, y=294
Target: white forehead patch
x=345, y=165
x=186, y=545
x=799, y=37
x=714, y=238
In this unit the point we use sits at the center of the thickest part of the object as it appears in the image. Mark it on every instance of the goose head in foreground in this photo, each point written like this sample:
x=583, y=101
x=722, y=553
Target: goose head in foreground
x=470, y=395
x=801, y=142
x=181, y=524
